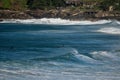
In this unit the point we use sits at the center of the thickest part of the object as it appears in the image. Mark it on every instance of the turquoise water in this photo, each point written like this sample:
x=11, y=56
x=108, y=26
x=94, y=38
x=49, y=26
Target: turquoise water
x=59, y=52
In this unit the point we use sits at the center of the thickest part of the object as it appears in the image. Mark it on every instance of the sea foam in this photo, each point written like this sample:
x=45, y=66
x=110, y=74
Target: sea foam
x=109, y=30
x=55, y=21
x=104, y=56
x=118, y=22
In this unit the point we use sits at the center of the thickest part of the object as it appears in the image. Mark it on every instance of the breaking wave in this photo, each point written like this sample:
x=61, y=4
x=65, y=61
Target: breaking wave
x=82, y=57
x=57, y=53
x=68, y=52
x=118, y=22
x=96, y=57
x=109, y=30
x=104, y=56
x=55, y=21
x=53, y=54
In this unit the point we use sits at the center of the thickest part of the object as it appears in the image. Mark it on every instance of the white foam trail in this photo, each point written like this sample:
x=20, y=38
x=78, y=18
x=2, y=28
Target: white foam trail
x=104, y=56
x=8, y=71
x=109, y=30
x=55, y=21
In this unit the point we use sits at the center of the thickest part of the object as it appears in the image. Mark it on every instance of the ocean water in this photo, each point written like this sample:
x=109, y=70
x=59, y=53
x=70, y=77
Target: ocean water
x=55, y=49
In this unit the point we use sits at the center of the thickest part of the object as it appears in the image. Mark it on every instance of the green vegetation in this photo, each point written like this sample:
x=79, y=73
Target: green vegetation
x=50, y=4
x=13, y=4
x=106, y=3
x=6, y=4
x=43, y=4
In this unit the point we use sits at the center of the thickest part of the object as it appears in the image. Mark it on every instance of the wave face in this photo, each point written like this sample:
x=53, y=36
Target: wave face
x=59, y=49
x=55, y=21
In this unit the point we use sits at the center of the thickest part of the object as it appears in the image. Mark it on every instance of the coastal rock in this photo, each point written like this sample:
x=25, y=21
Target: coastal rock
x=60, y=13
x=7, y=14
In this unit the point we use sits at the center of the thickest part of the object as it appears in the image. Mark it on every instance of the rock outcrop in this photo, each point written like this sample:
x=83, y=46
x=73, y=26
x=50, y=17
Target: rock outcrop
x=60, y=13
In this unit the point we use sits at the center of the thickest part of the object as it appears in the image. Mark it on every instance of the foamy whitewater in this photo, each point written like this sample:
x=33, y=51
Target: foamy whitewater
x=110, y=30
x=55, y=21
x=57, y=49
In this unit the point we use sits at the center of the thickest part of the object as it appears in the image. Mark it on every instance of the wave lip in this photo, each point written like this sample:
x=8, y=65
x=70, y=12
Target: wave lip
x=55, y=21
x=110, y=30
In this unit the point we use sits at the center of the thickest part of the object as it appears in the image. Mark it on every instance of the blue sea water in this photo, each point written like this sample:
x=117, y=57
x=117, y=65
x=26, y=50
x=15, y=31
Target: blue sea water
x=59, y=52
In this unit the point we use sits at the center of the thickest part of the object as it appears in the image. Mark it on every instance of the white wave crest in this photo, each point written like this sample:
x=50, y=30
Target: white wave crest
x=104, y=56
x=83, y=57
x=55, y=21
x=118, y=22
x=74, y=52
x=109, y=30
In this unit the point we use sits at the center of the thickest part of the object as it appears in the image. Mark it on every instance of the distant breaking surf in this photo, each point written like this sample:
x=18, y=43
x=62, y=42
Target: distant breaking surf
x=55, y=21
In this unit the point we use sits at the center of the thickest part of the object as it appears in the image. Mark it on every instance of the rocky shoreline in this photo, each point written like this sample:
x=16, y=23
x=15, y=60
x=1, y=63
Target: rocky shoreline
x=60, y=13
